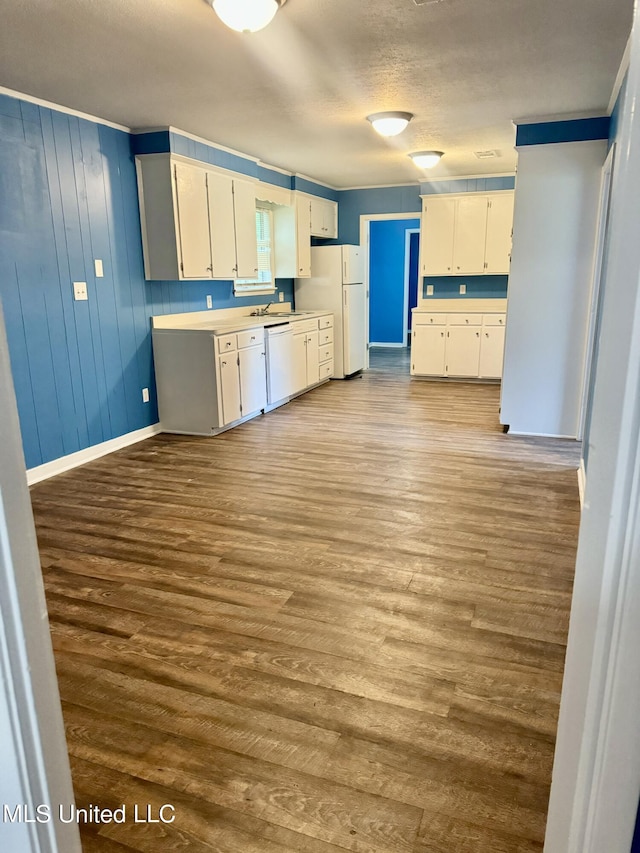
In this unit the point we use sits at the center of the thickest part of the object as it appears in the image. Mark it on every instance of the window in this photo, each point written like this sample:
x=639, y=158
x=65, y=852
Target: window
x=265, y=282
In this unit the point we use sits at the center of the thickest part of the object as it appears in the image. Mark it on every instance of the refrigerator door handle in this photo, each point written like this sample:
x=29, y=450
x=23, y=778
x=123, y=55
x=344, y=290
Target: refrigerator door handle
x=345, y=298
x=345, y=270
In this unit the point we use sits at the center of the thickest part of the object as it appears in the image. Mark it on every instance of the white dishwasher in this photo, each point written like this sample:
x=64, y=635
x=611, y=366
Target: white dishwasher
x=279, y=363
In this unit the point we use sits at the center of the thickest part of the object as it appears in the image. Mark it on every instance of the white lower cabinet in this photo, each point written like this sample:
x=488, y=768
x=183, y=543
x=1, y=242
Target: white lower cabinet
x=209, y=381
x=229, y=388
x=457, y=345
x=427, y=350
x=306, y=358
x=492, y=352
x=462, y=355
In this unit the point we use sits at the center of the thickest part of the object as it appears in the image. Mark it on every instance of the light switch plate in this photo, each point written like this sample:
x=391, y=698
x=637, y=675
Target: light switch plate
x=145, y=395
x=99, y=268
x=463, y=288
x=209, y=301
x=80, y=290
x=280, y=296
x=429, y=290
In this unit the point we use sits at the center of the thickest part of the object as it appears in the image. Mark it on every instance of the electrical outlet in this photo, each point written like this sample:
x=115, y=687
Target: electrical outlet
x=280, y=296
x=463, y=289
x=209, y=301
x=99, y=268
x=145, y=395
x=80, y=290
x=429, y=290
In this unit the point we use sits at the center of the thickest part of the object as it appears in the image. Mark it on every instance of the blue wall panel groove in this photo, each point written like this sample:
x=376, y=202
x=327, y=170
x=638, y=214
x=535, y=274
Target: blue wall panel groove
x=68, y=195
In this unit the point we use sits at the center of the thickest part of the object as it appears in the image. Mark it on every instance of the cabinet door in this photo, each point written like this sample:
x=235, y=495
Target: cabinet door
x=470, y=235
x=229, y=388
x=330, y=219
x=317, y=224
x=427, y=350
x=499, y=226
x=463, y=351
x=244, y=212
x=193, y=221
x=436, y=236
x=253, y=379
x=313, y=358
x=221, y=224
x=491, y=352
x=299, y=372
x=303, y=238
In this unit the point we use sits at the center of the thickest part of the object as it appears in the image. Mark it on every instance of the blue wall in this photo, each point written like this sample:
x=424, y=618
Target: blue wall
x=386, y=279
x=478, y=287
x=68, y=195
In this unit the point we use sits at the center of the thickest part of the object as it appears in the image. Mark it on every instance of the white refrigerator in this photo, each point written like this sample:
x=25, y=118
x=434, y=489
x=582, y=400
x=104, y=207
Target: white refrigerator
x=337, y=285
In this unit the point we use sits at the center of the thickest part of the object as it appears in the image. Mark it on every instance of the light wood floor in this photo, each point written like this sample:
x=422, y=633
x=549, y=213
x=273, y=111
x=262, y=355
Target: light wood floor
x=338, y=627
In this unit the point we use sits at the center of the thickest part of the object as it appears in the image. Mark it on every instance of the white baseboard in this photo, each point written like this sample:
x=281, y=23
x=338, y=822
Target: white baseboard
x=386, y=345
x=73, y=460
x=542, y=435
x=582, y=482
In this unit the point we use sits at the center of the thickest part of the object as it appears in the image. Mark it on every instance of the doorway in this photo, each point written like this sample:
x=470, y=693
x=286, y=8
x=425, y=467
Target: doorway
x=392, y=266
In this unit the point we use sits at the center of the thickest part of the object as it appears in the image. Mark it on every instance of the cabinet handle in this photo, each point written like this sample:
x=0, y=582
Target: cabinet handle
x=442, y=334
x=467, y=320
x=477, y=334
x=486, y=334
x=210, y=269
x=228, y=344
x=224, y=363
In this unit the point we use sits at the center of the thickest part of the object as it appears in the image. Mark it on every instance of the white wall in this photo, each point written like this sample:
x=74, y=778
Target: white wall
x=596, y=774
x=34, y=763
x=556, y=207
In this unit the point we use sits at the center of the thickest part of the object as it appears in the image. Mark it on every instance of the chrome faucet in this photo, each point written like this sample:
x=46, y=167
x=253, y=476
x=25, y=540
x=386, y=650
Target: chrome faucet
x=260, y=312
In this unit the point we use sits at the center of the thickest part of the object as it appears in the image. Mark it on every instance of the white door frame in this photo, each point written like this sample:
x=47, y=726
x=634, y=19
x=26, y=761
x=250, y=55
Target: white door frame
x=596, y=775
x=407, y=275
x=365, y=235
x=596, y=279
x=35, y=769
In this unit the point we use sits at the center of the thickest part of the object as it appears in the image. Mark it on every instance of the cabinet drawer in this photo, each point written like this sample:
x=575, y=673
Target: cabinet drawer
x=430, y=319
x=325, y=353
x=304, y=326
x=325, y=322
x=325, y=370
x=226, y=343
x=326, y=337
x=493, y=319
x=250, y=338
x=465, y=319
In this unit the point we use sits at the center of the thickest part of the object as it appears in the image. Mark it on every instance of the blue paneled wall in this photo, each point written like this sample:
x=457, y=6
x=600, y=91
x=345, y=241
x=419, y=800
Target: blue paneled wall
x=68, y=195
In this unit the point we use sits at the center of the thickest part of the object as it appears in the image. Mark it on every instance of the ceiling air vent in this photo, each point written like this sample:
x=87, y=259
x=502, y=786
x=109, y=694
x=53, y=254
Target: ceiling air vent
x=427, y=2
x=487, y=155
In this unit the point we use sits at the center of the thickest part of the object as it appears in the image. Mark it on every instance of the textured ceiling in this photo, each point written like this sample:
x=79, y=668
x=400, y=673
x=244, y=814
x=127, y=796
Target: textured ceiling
x=297, y=93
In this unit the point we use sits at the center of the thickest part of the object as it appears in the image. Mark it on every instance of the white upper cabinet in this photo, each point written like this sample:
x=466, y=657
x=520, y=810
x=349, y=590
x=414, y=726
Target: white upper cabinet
x=303, y=238
x=192, y=210
x=436, y=237
x=470, y=235
x=324, y=217
x=221, y=223
x=197, y=222
x=499, y=232
x=466, y=235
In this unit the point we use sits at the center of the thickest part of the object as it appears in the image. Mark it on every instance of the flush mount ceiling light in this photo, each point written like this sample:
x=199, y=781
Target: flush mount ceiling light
x=426, y=159
x=390, y=123
x=246, y=16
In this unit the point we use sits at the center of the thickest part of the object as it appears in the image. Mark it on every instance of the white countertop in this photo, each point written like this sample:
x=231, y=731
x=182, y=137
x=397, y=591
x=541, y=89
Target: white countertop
x=462, y=306
x=225, y=324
